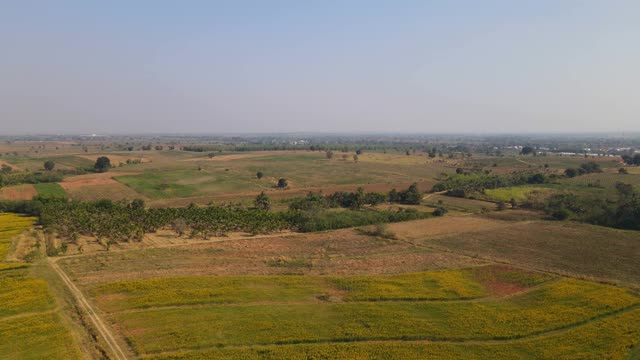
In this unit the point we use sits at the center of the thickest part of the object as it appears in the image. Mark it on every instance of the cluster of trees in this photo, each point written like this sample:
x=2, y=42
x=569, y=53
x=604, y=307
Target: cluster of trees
x=115, y=222
x=355, y=200
x=586, y=168
x=623, y=212
x=16, y=178
x=329, y=220
x=631, y=159
x=461, y=185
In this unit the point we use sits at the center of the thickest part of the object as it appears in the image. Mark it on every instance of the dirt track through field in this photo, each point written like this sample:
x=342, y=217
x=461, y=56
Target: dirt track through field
x=93, y=315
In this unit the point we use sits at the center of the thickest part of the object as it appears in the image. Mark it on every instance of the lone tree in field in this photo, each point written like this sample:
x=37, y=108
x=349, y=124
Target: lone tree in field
x=262, y=202
x=329, y=154
x=103, y=164
x=283, y=183
x=259, y=174
x=49, y=165
x=179, y=226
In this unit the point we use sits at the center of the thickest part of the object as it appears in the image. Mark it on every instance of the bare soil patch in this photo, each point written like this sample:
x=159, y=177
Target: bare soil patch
x=341, y=252
x=18, y=192
x=77, y=181
x=573, y=249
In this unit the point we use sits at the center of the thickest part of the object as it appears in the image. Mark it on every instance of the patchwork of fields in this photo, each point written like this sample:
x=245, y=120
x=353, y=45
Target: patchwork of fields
x=474, y=284
x=343, y=294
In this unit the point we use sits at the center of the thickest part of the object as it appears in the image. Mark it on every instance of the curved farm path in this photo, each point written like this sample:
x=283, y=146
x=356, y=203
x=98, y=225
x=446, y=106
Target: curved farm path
x=104, y=331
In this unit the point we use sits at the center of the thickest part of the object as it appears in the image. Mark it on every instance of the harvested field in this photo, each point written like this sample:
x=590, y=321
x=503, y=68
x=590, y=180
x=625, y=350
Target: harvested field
x=569, y=248
x=448, y=225
x=18, y=192
x=76, y=181
x=336, y=252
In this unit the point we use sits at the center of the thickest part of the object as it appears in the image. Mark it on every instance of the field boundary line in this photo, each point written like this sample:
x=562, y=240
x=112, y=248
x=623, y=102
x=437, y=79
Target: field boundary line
x=93, y=315
x=27, y=314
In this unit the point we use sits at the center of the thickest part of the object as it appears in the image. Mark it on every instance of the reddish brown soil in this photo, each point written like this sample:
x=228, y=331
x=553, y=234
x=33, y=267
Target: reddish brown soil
x=18, y=192
x=77, y=181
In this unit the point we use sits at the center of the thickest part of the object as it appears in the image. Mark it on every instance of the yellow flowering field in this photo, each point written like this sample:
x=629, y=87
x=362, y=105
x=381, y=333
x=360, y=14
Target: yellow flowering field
x=435, y=285
x=21, y=293
x=613, y=337
x=555, y=305
x=10, y=226
x=30, y=327
x=39, y=336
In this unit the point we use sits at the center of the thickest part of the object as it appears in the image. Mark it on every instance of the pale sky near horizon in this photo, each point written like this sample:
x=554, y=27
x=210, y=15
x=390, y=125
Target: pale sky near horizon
x=327, y=66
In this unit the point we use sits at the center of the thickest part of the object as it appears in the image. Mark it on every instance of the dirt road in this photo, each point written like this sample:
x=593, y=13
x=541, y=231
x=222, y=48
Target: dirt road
x=97, y=321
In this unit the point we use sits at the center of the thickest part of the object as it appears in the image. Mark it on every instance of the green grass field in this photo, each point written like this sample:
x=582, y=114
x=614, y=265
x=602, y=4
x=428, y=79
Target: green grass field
x=165, y=179
x=50, y=190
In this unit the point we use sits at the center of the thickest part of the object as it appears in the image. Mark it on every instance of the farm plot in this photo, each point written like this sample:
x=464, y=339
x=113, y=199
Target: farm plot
x=611, y=337
x=98, y=186
x=30, y=327
x=468, y=283
x=233, y=175
x=517, y=193
x=342, y=252
x=10, y=226
x=606, y=180
x=50, y=190
x=569, y=248
x=18, y=192
x=541, y=305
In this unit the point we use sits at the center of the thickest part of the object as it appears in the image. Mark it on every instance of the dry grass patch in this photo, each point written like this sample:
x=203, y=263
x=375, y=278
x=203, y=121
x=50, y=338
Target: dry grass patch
x=564, y=247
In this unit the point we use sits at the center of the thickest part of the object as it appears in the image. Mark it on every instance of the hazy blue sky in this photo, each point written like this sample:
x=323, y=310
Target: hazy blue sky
x=331, y=66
